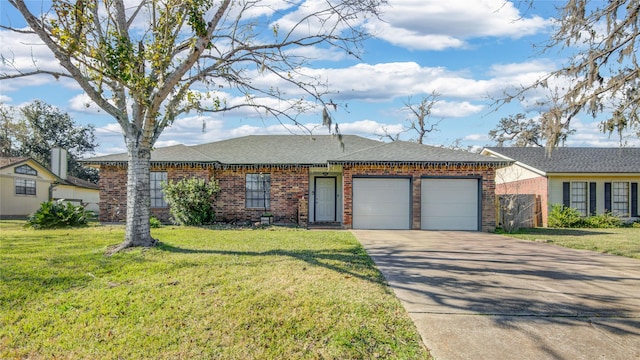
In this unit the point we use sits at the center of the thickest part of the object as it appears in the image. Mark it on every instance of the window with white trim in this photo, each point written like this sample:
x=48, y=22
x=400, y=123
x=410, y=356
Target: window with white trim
x=620, y=198
x=258, y=191
x=157, y=196
x=579, y=197
x=25, y=187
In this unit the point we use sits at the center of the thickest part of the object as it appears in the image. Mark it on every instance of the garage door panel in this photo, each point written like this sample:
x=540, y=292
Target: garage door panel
x=381, y=203
x=449, y=204
x=459, y=210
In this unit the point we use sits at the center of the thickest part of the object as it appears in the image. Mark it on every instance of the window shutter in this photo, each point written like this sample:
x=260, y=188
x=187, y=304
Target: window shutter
x=607, y=197
x=592, y=198
x=634, y=199
x=566, y=194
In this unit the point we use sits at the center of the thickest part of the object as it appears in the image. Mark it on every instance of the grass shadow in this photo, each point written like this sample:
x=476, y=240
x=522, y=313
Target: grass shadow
x=351, y=261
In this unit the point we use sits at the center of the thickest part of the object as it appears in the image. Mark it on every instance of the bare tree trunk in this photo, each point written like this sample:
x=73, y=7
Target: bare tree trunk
x=138, y=230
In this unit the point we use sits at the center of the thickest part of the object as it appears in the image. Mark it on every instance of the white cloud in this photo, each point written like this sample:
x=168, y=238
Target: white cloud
x=387, y=81
x=82, y=103
x=589, y=134
x=476, y=137
x=448, y=109
x=5, y=99
x=310, y=18
x=437, y=24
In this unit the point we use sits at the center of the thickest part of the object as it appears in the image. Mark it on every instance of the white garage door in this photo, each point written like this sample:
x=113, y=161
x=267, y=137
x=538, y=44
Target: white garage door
x=449, y=204
x=381, y=203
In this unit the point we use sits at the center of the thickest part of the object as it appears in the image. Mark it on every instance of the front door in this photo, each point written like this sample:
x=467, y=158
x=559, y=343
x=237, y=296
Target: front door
x=325, y=199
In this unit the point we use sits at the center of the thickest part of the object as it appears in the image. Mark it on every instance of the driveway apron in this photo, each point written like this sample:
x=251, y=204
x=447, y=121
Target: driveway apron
x=476, y=295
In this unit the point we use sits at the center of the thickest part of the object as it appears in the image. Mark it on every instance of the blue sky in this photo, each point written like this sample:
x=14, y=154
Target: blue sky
x=465, y=51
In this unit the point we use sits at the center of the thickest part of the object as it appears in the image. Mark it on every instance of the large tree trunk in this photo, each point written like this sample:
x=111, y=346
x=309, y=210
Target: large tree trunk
x=138, y=231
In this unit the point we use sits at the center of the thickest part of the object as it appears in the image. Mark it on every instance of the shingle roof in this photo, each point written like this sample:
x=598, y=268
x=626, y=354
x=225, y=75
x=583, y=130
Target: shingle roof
x=301, y=150
x=74, y=181
x=283, y=149
x=176, y=153
x=403, y=151
x=575, y=159
x=8, y=161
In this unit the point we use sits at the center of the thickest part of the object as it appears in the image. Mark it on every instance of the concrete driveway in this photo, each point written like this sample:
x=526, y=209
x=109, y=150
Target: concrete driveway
x=484, y=296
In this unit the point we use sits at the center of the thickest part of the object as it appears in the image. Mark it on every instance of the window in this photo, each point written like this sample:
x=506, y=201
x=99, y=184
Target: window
x=258, y=191
x=25, y=187
x=579, y=197
x=157, y=196
x=620, y=198
x=26, y=170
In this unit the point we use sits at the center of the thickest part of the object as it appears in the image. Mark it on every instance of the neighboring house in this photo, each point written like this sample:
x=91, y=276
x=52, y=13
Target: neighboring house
x=317, y=180
x=591, y=180
x=25, y=184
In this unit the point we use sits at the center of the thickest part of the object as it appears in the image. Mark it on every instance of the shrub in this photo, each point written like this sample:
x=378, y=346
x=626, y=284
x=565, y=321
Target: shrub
x=604, y=221
x=191, y=200
x=154, y=223
x=564, y=217
x=58, y=214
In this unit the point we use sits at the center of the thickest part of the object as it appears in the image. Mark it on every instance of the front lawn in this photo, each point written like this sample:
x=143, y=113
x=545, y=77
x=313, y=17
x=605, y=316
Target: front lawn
x=214, y=294
x=617, y=241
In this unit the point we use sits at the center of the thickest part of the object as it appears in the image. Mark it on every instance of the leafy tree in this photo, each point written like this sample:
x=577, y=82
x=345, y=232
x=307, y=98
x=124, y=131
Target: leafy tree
x=38, y=127
x=602, y=72
x=147, y=64
x=517, y=130
x=10, y=131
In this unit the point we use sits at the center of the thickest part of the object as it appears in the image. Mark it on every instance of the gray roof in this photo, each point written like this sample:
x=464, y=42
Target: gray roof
x=284, y=149
x=301, y=150
x=403, y=151
x=575, y=159
x=176, y=153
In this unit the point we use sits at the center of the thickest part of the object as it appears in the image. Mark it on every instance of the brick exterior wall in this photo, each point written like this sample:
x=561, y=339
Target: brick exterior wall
x=486, y=174
x=288, y=187
x=537, y=186
x=113, y=193
x=289, y=191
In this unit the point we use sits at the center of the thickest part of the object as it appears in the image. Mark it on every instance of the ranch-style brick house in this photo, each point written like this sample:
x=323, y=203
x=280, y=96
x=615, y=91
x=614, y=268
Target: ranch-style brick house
x=591, y=180
x=321, y=181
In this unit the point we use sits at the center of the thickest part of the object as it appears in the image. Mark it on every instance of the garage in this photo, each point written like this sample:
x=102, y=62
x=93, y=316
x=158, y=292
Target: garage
x=449, y=204
x=381, y=203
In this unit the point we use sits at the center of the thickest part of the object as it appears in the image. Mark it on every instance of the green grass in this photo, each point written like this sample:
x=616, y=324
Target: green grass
x=214, y=294
x=618, y=241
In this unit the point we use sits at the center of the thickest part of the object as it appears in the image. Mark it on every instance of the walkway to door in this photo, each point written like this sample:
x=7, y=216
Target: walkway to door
x=476, y=295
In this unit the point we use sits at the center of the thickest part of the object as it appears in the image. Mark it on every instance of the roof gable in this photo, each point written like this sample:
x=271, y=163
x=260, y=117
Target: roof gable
x=574, y=159
x=9, y=161
x=9, y=164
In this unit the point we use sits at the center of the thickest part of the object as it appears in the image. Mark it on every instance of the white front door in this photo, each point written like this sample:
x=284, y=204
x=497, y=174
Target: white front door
x=325, y=199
